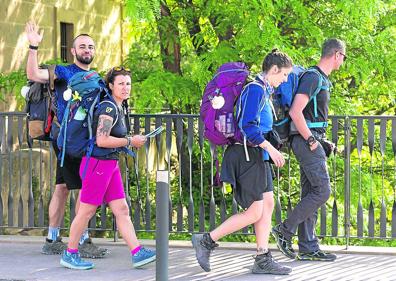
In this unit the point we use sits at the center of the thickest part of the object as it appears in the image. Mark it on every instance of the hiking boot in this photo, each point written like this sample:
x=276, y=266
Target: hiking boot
x=284, y=245
x=74, y=261
x=89, y=250
x=265, y=264
x=316, y=256
x=203, y=246
x=144, y=256
x=53, y=247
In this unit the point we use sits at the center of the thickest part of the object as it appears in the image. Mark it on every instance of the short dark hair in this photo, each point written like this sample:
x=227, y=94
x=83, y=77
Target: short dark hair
x=80, y=35
x=277, y=58
x=114, y=72
x=331, y=46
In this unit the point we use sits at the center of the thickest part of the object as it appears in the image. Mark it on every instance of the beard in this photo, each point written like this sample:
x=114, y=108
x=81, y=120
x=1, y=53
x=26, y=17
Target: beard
x=84, y=60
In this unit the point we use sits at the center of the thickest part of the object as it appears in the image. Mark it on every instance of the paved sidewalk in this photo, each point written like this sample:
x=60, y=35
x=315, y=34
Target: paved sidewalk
x=20, y=259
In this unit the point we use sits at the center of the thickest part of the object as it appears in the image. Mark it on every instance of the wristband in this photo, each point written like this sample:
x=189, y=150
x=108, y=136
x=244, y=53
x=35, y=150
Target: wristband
x=128, y=141
x=310, y=140
x=31, y=47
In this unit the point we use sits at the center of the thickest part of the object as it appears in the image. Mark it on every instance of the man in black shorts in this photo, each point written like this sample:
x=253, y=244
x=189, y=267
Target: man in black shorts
x=67, y=177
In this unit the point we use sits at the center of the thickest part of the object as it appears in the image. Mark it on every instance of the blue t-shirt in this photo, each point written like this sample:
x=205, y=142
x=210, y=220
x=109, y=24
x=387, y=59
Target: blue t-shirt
x=63, y=75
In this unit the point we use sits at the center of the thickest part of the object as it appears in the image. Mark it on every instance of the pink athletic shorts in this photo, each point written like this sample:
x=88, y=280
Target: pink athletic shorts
x=102, y=182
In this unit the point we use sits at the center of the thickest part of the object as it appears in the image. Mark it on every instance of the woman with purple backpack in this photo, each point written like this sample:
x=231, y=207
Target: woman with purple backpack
x=247, y=168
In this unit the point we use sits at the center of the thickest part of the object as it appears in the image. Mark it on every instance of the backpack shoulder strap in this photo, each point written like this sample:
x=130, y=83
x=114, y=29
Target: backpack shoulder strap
x=317, y=90
x=320, y=81
x=115, y=107
x=51, y=74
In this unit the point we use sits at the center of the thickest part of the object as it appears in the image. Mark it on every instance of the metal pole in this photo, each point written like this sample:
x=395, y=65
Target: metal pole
x=162, y=225
x=347, y=181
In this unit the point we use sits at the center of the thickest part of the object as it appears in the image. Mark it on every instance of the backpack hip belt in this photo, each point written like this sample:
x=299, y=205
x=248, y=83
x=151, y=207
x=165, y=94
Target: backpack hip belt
x=310, y=125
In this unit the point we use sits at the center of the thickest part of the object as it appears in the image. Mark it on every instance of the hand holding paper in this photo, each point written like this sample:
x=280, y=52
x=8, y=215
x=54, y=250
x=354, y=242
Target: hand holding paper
x=155, y=132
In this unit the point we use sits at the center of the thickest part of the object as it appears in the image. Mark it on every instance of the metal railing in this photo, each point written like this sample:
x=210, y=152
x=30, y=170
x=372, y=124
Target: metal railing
x=363, y=178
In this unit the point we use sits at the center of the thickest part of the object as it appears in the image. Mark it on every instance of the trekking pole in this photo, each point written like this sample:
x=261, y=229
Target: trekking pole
x=162, y=225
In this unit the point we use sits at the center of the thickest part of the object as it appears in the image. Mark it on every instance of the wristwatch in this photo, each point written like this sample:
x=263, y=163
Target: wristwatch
x=310, y=140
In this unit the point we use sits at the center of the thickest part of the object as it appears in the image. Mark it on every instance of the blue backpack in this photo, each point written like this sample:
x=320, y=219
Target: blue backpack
x=76, y=138
x=283, y=99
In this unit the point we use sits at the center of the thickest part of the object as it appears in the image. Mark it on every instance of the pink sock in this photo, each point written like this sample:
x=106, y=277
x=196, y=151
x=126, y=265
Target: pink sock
x=72, y=251
x=137, y=249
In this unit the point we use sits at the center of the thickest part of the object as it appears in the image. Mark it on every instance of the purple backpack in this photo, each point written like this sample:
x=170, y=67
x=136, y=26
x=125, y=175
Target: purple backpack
x=217, y=108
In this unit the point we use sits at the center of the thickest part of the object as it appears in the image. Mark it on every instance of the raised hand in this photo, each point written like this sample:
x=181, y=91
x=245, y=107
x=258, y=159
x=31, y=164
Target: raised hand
x=32, y=33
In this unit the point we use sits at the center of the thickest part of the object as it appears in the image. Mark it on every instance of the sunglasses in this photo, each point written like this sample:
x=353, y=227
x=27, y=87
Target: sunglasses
x=345, y=57
x=118, y=68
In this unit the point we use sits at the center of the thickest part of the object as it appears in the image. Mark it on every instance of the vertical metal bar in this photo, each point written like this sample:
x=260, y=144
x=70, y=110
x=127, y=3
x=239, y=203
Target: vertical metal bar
x=347, y=181
x=20, y=203
x=190, y=138
x=158, y=138
x=10, y=191
x=334, y=213
x=179, y=140
x=201, y=200
x=1, y=186
x=223, y=207
x=2, y=124
x=31, y=195
x=289, y=204
x=138, y=202
x=127, y=179
x=278, y=208
x=383, y=203
x=323, y=220
x=147, y=208
x=114, y=228
x=394, y=179
x=359, y=144
x=162, y=225
x=72, y=206
x=1, y=168
x=168, y=139
x=103, y=217
x=41, y=199
x=371, y=220
x=92, y=222
x=212, y=205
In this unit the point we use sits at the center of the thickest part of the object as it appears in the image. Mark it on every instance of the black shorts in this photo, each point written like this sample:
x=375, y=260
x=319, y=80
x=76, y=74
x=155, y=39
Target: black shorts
x=70, y=172
x=249, y=179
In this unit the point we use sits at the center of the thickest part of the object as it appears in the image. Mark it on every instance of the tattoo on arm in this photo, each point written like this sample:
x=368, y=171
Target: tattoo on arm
x=104, y=126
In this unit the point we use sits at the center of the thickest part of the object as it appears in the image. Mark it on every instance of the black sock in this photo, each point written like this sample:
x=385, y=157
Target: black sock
x=210, y=238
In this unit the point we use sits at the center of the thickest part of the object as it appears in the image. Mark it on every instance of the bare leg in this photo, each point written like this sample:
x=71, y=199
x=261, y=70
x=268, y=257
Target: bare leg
x=238, y=221
x=120, y=210
x=263, y=226
x=77, y=202
x=56, y=209
x=80, y=223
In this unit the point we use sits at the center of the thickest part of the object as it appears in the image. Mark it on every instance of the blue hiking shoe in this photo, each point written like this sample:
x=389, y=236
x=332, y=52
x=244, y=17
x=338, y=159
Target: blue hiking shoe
x=144, y=256
x=74, y=261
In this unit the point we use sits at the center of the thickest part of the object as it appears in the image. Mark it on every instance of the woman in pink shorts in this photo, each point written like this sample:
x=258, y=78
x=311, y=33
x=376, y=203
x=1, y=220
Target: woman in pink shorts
x=102, y=182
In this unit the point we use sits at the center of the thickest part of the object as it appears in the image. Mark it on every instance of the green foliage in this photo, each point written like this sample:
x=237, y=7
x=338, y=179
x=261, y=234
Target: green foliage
x=210, y=33
x=213, y=32
x=12, y=83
